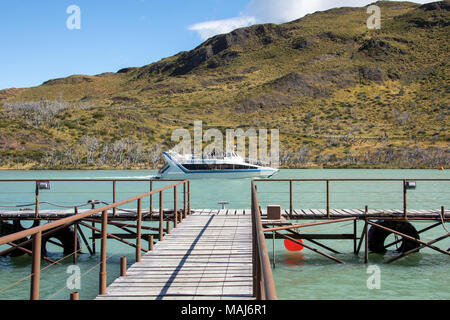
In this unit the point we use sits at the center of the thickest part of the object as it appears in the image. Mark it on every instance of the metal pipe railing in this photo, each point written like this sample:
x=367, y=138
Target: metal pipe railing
x=263, y=283
x=36, y=233
x=114, y=188
x=327, y=192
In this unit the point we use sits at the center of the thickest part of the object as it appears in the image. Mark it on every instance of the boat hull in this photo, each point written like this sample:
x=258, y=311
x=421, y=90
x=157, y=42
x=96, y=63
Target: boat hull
x=218, y=175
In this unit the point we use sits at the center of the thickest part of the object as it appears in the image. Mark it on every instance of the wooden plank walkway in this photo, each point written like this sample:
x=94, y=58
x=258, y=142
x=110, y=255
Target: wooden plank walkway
x=209, y=256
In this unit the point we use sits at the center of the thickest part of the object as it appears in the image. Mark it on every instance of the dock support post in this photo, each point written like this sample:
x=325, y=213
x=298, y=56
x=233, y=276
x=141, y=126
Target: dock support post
x=189, y=196
x=151, y=199
x=161, y=216
x=114, y=197
x=123, y=266
x=150, y=242
x=37, y=200
x=290, y=200
x=175, y=209
x=328, y=199
x=405, y=213
x=85, y=241
x=102, y=284
x=366, y=243
x=93, y=231
x=75, y=243
x=185, y=202
x=273, y=248
x=365, y=235
x=36, y=266
x=74, y=296
x=354, y=235
x=138, y=230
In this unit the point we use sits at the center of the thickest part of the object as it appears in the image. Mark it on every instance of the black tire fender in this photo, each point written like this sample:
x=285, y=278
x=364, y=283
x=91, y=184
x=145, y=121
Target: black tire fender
x=67, y=238
x=377, y=236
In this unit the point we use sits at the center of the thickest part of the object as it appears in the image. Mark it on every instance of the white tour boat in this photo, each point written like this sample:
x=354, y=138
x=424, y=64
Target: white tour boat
x=228, y=165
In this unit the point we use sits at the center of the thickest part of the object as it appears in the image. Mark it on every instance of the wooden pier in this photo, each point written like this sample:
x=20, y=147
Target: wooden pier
x=217, y=254
x=209, y=256
x=297, y=214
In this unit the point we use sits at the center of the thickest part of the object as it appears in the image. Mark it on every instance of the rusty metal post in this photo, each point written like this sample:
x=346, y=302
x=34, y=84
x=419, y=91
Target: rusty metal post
x=150, y=242
x=37, y=200
x=189, y=196
x=184, y=201
x=75, y=243
x=123, y=266
x=175, y=209
x=138, y=230
x=161, y=216
x=328, y=199
x=180, y=216
x=74, y=296
x=114, y=197
x=102, y=284
x=366, y=242
x=151, y=199
x=273, y=248
x=93, y=231
x=405, y=213
x=290, y=200
x=36, y=266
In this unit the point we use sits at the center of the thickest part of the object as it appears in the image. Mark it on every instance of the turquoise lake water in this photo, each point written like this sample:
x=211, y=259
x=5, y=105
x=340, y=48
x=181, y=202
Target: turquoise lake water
x=298, y=275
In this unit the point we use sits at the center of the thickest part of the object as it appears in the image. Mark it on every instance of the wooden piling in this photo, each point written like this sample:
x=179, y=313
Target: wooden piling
x=102, y=282
x=161, y=216
x=138, y=230
x=123, y=266
x=36, y=266
x=175, y=209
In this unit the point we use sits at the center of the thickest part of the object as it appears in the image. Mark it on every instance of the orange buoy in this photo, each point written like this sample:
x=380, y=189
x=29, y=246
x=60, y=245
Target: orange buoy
x=293, y=246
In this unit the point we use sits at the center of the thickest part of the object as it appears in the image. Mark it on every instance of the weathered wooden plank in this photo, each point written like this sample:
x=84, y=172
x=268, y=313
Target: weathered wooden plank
x=206, y=256
x=323, y=212
x=355, y=212
x=165, y=291
x=314, y=213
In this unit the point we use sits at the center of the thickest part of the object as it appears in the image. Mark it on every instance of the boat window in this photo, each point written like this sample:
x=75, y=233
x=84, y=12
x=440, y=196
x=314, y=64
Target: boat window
x=217, y=166
x=164, y=168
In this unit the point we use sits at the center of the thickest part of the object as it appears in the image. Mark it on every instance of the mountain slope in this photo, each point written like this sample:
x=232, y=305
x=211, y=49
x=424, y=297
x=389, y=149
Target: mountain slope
x=340, y=94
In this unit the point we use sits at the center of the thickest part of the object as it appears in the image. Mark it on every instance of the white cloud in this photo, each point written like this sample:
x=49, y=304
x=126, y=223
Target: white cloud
x=279, y=11
x=282, y=10
x=274, y=11
x=211, y=28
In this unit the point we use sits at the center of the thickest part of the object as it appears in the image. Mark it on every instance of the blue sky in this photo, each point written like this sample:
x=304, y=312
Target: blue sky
x=36, y=44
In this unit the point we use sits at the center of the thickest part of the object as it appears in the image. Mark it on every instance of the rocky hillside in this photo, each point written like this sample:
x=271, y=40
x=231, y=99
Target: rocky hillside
x=340, y=94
